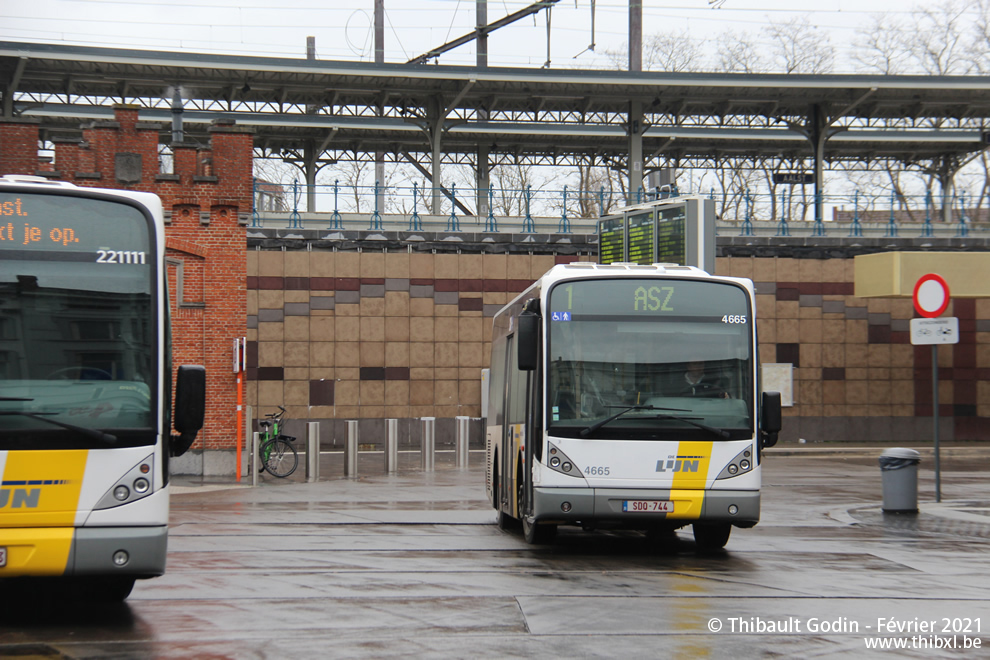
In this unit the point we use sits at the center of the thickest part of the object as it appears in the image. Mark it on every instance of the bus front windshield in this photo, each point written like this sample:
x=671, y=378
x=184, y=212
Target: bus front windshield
x=667, y=358
x=77, y=323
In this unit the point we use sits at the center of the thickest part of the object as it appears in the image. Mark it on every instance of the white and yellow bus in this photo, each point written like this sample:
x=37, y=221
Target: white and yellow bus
x=85, y=387
x=625, y=397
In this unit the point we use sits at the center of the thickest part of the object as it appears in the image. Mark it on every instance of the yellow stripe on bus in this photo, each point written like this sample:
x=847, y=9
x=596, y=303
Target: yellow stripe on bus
x=693, y=458
x=41, y=488
x=37, y=551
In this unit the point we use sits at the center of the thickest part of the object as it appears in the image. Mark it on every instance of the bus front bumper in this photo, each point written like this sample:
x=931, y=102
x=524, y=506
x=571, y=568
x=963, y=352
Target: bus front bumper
x=592, y=505
x=53, y=551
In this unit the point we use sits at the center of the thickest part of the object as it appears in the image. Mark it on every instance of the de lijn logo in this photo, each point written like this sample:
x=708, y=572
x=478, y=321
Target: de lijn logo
x=679, y=464
x=17, y=494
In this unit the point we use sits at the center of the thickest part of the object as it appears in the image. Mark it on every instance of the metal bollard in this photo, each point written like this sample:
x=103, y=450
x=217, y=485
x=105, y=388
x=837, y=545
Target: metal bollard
x=391, y=445
x=255, y=466
x=246, y=461
x=351, y=450
x=461, y=446
x=312, y=452
x=428, y=443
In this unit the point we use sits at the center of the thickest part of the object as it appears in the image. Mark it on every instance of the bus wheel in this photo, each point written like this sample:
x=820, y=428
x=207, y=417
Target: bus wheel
x=538, y=534
x=504, y=521
x=711, y=536
x=114, y=590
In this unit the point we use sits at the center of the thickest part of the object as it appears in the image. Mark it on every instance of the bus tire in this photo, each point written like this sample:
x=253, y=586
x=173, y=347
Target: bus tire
x=711, y=536
x=538, y=534
x=113, y=590
x=504, y=521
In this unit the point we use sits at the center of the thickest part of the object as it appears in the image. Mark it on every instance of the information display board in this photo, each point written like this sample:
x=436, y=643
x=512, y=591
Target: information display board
x=671, y=235
x=612, y=240
x=677, y=230
x=641, y=238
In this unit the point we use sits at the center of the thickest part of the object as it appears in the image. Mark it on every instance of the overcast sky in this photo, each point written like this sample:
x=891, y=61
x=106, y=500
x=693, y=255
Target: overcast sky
x=343, y=28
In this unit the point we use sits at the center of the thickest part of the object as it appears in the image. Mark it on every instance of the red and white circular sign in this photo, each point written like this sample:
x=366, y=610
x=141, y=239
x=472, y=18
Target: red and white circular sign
x=931, y=295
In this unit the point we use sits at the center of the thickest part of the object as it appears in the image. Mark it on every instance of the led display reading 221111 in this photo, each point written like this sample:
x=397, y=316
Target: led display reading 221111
x=50, y=228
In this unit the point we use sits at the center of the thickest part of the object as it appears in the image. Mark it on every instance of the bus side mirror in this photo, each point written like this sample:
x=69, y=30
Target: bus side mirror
x=770, y=418
x=528, y=339
x=190, y=406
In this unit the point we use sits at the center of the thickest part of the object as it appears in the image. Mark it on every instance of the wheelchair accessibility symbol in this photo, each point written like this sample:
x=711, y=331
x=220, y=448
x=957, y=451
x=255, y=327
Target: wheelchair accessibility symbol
x=560, y=316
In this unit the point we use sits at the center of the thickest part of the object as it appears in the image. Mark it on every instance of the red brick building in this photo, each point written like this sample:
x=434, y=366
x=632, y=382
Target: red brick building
x=207, y=202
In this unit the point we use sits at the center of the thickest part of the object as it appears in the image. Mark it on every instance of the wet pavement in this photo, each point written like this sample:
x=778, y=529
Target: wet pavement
x=411, y=565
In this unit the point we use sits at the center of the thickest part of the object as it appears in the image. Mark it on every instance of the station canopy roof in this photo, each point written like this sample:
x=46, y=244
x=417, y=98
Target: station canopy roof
x=341, y=110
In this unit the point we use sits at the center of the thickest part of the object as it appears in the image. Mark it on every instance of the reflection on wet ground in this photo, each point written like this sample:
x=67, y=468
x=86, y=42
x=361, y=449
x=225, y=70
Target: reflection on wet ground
x=412, y=565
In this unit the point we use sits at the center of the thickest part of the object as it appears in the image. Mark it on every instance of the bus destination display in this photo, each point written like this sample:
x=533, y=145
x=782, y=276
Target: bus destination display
x=64, y=228
x=671, y=235
x=641, y=232
x=611, y=239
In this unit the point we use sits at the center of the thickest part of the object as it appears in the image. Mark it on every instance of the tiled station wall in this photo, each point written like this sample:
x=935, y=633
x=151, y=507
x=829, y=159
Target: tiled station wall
x=372, y=335
x=856, y=375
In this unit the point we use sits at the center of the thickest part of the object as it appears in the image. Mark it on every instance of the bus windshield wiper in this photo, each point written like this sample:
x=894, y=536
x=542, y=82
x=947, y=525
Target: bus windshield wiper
x=597, y=425
x=722, y=433
x=90, y=433
x=711, y=429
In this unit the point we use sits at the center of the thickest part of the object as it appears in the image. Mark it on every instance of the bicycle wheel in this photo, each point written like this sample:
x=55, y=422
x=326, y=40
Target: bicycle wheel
x=281, y=458
x=263, y=451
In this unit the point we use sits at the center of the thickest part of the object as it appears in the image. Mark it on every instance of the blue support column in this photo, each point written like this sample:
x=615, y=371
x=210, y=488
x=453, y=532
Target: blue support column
x=564, y=226
x=335, y=221
x=414, y=222
x=491, y=224
x=255, y=216
x=529, y=227
x=782, y=228
x=295, y=220
x=892, y=223
x=747, y=225
x=452, y=223
x=376, y=217
x=856, y=228
x=819, y=229
x=928, y=231
x=963, y=230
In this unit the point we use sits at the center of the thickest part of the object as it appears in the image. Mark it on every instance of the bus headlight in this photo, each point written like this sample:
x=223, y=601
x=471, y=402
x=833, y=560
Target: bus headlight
x=739, y=465
x=134, y=485
x=120, y=558
x=559, y=462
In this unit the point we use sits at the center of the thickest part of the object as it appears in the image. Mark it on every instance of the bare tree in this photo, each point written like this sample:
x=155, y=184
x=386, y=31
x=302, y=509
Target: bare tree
x=980, y=37
x=881, y=47
x=938, y=41
x=797, y=46
x=664, y=51
x=739, y=53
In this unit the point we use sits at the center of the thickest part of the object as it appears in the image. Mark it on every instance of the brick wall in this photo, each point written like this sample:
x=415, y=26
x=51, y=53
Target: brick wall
x=207, y=199
x=371, y=335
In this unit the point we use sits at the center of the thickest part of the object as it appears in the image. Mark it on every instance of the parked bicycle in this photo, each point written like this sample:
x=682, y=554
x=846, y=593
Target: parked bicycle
x=278, y=455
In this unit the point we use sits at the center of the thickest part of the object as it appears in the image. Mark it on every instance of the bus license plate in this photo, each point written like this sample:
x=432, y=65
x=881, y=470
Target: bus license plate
x=648, y=506
x=3, y=557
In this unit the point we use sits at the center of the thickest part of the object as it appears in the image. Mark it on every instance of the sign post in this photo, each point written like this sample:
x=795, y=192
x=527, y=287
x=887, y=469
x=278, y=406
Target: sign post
x=240, y=366
x=931, y=298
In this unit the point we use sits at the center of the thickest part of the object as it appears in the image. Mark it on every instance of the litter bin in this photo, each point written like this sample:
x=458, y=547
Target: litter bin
x=899, y=468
